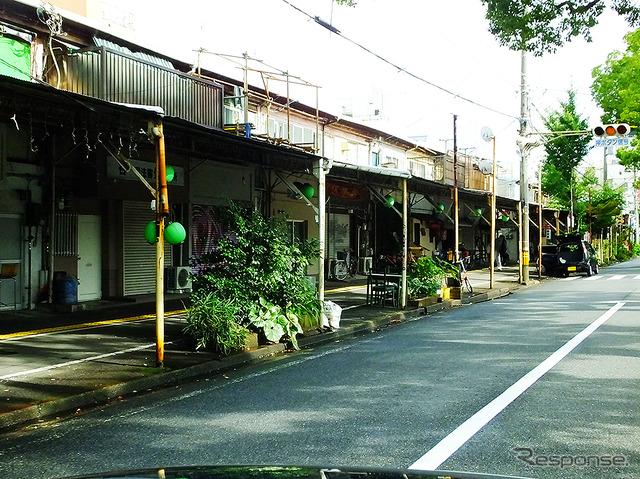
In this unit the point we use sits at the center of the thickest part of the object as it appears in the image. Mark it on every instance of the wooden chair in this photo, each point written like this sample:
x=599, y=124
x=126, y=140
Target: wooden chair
x=382, y=290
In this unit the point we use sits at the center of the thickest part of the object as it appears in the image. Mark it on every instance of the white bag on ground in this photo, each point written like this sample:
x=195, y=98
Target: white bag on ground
x=332, y=312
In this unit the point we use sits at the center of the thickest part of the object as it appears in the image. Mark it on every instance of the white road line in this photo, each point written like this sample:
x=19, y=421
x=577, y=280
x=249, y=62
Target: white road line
x=571, y=278
x=616, y=276
x=593, y=278
x=77, y=361
x=636, y=276
x=450, y=444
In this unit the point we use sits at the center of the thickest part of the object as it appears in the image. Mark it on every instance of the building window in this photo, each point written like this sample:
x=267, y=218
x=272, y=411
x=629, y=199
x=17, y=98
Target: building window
x=375, y=158
x=297, y=230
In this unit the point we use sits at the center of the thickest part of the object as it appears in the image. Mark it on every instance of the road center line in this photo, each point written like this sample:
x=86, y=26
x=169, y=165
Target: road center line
x=456, y=439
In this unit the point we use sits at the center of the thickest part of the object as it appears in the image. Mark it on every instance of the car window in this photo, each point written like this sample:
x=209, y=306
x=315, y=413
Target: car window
x=568, y=248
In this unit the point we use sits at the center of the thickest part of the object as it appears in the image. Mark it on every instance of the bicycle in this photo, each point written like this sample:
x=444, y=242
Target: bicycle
x=344, y=267
x=463, y=276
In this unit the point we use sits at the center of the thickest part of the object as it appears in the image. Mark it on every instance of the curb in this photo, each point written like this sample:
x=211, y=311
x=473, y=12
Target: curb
x=168, y=378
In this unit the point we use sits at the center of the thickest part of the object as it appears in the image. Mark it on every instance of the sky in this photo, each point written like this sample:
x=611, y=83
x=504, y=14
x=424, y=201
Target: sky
x=445, y=44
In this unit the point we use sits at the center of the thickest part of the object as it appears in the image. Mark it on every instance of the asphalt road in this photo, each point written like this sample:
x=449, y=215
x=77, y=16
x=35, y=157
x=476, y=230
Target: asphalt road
x=543, y=383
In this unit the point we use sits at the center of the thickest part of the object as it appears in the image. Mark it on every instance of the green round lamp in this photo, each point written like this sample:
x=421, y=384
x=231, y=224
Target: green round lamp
x=175, y=233
x=389, y=201
x=171, y=172
x=150, y=232
x=307, y=190
x=505, y=218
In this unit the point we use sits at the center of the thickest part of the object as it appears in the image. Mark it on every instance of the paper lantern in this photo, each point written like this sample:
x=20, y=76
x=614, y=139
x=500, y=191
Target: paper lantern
x=389, y=201
x=307, y=190
x=175, y=233
x=151, y=232
x=171, y=172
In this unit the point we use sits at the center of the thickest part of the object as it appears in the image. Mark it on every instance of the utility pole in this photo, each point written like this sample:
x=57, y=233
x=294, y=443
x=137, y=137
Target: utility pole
x=455, y=187
x=524, y=166
x=162, y=212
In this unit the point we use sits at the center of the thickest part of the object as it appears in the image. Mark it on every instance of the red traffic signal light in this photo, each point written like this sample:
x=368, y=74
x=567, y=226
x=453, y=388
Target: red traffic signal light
x=619, y=129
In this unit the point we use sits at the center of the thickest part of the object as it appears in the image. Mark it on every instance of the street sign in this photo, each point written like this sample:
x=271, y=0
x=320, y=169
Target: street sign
x=612, y=142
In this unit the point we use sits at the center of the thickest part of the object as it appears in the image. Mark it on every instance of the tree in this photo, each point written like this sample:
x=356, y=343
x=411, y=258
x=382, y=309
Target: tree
x=564, y=153
x=542, y=26
x=599, y=206
x=615, y=90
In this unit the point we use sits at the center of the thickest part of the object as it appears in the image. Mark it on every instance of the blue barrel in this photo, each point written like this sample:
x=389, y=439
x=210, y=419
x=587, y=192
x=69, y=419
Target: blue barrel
x=65, y=290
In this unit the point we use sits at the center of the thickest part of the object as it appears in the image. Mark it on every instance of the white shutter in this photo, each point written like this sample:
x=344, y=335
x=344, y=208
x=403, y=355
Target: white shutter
x=139, y=257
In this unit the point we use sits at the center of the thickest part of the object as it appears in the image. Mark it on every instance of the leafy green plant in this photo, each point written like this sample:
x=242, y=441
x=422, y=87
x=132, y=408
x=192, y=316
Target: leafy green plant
x=212, y=322
x=256, y=263
x=275, y=321
x=635, y=249
x=426, y=277
x=622, y=253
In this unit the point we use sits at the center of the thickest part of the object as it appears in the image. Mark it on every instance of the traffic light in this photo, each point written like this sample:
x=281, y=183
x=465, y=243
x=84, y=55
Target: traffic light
x=608, y=131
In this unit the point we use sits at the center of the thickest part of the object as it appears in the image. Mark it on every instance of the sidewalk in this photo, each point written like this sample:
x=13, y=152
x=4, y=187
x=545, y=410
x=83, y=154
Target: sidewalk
x=33, y=396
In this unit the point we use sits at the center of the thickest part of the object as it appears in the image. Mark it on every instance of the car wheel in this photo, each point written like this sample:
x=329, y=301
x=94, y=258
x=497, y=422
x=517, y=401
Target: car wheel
x=596, y=269
x=589, y=270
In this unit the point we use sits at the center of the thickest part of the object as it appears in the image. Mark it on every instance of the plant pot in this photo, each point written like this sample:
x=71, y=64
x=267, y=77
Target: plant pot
x=455, y=292
x=452, y=282
x=426, y=301
x=252, y=341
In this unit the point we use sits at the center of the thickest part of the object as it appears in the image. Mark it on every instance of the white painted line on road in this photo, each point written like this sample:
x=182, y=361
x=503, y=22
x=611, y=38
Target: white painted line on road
x=636, y=276
x=616, y=276
x=571, y=278
x=450, y=444
x=77, y=361
x=593, y=278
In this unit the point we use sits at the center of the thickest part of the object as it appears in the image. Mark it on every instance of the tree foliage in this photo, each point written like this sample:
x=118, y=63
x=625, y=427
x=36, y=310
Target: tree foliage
x=542, y=26
x=615, y=90
x=564, y=153
x=598, y=206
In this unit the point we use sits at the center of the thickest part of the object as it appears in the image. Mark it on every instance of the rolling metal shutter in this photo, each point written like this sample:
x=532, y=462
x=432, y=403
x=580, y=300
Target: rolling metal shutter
x=138, y=255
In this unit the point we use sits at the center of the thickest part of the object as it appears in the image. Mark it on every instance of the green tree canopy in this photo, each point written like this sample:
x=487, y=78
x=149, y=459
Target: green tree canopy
x=599, y=205
x=542, y=26
x=564, y=153
x=615, y=89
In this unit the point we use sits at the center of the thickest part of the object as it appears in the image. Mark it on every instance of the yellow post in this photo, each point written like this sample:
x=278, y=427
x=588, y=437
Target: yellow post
x=162, y=211
x=493, y=219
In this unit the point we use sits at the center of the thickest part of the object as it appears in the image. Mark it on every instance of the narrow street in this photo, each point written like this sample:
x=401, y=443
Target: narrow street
x=564, y=353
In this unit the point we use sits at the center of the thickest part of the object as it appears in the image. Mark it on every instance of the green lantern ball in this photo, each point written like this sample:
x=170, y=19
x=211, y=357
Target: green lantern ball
x=150, y=232
x=505, y=218
x=307, y=190
x=171, y=172
x=389, y=201
x=175, y=233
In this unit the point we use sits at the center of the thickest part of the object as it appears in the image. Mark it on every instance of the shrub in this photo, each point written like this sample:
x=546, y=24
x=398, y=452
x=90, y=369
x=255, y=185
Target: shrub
x=622, y=253
x=275, y=321
x=425, y=277
x=212, y=322
x=257, y=264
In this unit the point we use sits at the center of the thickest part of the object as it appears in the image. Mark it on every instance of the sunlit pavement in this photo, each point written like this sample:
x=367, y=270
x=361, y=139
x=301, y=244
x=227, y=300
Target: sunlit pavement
x=61, y=370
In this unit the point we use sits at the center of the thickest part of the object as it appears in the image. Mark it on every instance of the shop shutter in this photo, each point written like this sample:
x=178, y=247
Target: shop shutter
x=139, y=256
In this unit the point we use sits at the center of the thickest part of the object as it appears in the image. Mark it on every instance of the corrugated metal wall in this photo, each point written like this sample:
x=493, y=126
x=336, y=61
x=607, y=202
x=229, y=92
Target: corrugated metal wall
x=117, y=77
x=139, y=256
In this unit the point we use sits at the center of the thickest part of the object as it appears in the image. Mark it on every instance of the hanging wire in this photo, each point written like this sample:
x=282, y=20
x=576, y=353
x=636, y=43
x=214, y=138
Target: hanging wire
x=399, y=68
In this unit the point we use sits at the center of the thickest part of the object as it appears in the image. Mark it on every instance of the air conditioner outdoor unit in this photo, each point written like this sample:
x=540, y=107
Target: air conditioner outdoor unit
x=178, y=278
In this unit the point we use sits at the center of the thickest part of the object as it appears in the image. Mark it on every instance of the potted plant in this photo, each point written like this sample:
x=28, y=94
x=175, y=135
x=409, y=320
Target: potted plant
x=425, y=279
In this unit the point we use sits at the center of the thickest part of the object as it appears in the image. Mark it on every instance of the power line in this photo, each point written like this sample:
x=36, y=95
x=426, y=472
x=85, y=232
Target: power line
x=334, y=30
